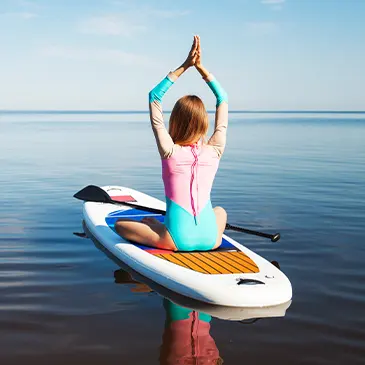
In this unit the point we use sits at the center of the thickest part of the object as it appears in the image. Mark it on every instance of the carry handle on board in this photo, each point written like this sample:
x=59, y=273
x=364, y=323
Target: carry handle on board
x=93, y=193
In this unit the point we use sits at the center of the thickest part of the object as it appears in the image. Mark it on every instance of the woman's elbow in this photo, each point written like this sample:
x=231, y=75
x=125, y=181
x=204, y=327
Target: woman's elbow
x=151, y=96
x=224, y=97
x=221, y=97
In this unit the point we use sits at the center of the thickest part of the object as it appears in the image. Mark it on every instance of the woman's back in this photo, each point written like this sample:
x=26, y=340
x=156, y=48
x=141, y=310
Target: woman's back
x=188, y=176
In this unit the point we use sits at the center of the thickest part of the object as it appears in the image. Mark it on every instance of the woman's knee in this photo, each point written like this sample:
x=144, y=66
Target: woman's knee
x=220, y=212
x=120, y=227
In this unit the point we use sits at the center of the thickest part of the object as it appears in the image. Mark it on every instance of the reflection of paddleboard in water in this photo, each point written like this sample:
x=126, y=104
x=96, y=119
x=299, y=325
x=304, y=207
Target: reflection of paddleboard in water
x=230, y=276
x=186, y=338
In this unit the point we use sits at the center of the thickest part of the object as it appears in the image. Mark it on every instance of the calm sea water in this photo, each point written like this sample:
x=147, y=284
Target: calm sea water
x=63, y=301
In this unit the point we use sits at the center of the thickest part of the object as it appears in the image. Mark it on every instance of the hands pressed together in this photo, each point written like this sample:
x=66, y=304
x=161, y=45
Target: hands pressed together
x=194, y=56
x=193, y=59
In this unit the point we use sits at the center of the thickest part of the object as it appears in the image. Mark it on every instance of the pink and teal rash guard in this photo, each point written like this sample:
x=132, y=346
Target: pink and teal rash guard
x=188, y=172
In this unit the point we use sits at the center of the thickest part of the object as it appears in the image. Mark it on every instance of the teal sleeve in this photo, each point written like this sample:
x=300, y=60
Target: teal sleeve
x=157, y=93
x=218, y=91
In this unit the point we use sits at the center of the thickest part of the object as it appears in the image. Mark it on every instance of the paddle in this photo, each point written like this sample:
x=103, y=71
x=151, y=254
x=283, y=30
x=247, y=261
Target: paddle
x=94, y=193
x=274, y=237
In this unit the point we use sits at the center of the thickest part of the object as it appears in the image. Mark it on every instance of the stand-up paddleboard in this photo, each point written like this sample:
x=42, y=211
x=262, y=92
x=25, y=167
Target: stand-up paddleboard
x=231, y=276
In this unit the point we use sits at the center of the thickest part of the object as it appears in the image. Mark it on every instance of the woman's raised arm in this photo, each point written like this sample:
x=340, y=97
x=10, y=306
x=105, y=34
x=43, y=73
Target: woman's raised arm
x=218, y=139
x=164, y=141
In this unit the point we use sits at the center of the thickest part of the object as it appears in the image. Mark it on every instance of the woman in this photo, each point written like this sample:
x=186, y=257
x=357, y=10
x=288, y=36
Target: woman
x=189, y=165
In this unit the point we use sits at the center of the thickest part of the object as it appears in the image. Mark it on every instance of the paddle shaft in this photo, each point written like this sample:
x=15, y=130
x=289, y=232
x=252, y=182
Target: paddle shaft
x=274, y=237
x=140, y=207
x=96, y=194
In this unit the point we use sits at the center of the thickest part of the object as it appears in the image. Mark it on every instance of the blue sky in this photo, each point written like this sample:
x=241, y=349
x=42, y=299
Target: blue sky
x=100, y=54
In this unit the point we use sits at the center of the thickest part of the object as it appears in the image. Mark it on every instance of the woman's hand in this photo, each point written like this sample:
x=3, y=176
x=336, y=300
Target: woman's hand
x=198, y=61
x=191, y=59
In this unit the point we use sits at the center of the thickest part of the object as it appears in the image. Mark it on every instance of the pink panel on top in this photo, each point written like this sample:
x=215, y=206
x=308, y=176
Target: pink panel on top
x=177, y=173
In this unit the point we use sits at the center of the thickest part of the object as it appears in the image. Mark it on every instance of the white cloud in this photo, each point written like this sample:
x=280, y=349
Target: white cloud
x=167, y=13
x=23, y=10
x=28, y=15
x=30, y=5
x=116, y=25
x=128, y=23
x=20, y=15
x=96, y=54
x=261, y=28
x=146, y=11
x=119, y=3
x=272, y=2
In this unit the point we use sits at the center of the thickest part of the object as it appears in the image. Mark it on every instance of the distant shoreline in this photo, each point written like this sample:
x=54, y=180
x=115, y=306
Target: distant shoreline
x=169, y=111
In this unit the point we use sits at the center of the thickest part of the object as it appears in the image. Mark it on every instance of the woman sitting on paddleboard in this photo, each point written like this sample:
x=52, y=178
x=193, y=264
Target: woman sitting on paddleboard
x=189, y=165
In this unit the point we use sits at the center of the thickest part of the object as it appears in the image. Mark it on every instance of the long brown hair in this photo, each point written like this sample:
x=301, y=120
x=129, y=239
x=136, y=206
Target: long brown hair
x=188, y=121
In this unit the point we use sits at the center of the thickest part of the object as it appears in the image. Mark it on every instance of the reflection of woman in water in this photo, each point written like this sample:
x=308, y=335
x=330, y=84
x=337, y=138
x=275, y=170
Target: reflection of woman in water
x=186, y=339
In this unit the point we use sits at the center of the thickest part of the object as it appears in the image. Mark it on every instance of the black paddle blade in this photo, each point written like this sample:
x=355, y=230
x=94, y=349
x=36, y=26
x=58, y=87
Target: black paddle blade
x=80, y=234
x=93, y=193
x=276, y=264
x=275, y=237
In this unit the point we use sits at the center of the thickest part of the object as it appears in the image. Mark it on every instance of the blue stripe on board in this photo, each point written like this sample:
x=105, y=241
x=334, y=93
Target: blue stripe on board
x=131, y=212
x=138, y=215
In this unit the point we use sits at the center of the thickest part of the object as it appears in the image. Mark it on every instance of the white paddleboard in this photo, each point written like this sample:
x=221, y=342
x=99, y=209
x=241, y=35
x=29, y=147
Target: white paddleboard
x=231, y=276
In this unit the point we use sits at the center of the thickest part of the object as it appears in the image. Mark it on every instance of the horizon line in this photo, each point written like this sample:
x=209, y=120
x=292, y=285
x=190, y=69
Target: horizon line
x=90, y=111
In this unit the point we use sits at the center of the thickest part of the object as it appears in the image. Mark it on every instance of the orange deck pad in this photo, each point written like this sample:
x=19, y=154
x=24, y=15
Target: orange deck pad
x=224, y=262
